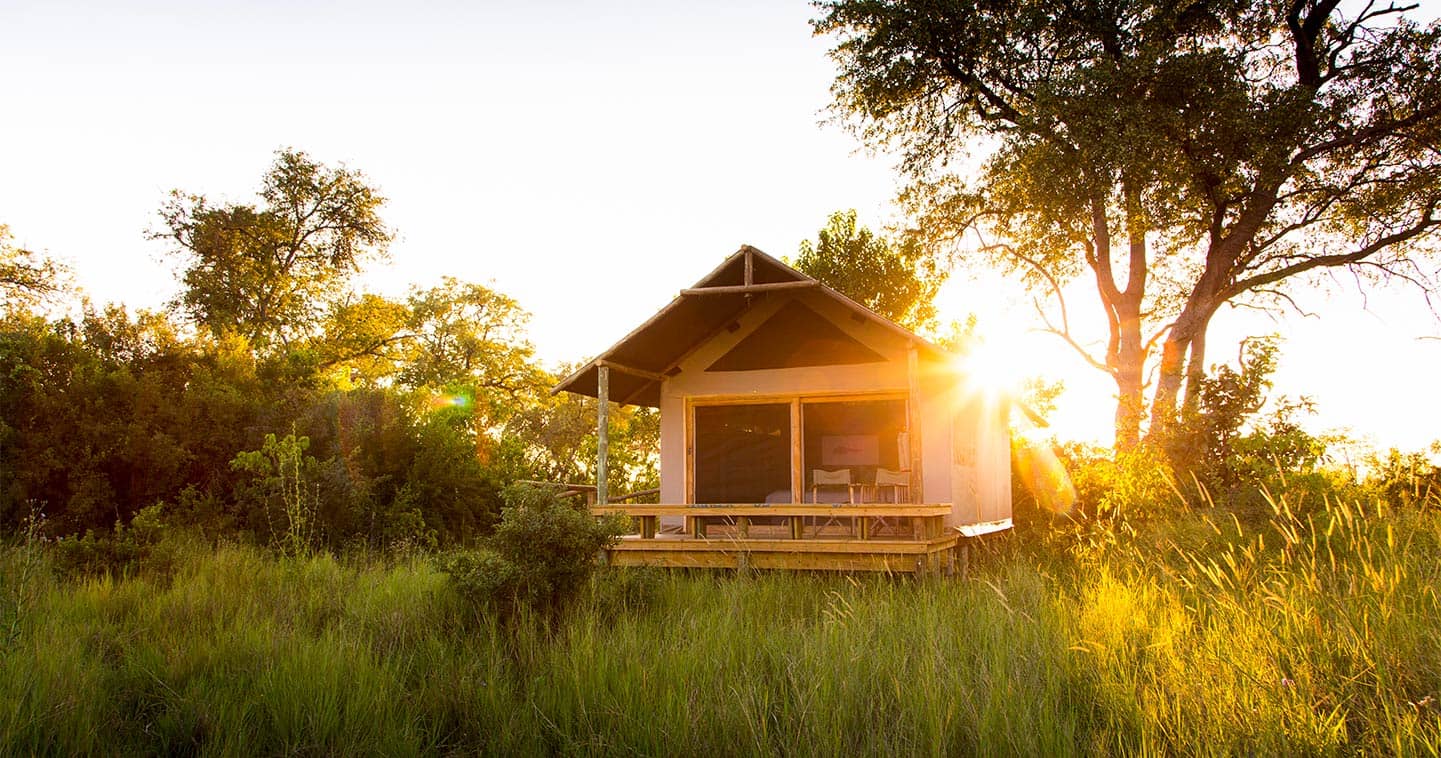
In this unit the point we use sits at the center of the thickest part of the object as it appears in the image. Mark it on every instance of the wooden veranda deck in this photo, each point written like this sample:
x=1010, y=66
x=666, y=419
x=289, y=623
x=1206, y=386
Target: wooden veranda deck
x=889, y=537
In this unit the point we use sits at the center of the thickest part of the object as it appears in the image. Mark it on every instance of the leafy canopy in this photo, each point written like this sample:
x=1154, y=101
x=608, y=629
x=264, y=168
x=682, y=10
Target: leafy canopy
x=26, y=278
x=897, y=280
x=1181, y=154
x=266, y=272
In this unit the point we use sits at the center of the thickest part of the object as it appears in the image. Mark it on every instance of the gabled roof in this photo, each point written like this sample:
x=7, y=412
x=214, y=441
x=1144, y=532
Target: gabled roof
x=641, y=360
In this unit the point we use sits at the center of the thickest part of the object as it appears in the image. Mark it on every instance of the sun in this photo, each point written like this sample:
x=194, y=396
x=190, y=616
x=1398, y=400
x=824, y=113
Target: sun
x=991, y=367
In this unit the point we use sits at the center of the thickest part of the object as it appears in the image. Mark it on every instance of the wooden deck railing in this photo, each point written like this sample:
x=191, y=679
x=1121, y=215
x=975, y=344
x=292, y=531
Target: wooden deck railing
x=926, y=521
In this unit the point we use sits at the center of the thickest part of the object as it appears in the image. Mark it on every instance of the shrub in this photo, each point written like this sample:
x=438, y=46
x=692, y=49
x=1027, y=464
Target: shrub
x=484, y=578
x=541, y=556
x=1406, y=479
x=284, y=487
x=1134, y=484
x=149, y=543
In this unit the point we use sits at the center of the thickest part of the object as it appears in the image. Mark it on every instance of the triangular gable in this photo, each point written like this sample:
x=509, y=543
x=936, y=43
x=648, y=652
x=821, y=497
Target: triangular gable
x=793, y=337
x=642, y=359
x=763, y=270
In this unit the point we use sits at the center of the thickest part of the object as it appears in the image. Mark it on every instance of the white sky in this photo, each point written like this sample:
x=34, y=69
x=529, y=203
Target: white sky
x=588, y=159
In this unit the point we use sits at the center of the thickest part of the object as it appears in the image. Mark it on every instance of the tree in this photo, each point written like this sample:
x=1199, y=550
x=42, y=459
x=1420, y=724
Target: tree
x=365, y=335
x=1181, y=154
x=265, y=273
x=26, y=278
x=465, y=332
x=898, y=280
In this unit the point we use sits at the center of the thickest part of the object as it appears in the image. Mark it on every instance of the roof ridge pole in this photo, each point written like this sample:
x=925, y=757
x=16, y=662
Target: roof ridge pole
x=602, y=431
x=750, y=268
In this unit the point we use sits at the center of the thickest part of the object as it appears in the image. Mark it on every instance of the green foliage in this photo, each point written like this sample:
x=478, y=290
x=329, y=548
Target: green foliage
x=897, y=280
x=26, y=278
x=541, y=556
x=1130, y=486
x=149, y=543
x=101, y=418
x=362, y=340
x=1225, y=449
x=24, y=574
x=1303, y=635
x=284, y=489
x=303, y=416
x=466, y=333
x=1180, y=156
x=264, y=273
x=449, y=477
x=554, y=439
x=1204, y=443
x=1406, y=480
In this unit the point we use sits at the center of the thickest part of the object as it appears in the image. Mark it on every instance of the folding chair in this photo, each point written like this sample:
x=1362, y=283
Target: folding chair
x=895, y=480
x=820, y=478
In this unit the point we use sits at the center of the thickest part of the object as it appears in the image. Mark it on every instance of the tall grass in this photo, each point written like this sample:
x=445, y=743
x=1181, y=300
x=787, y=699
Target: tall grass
x=1311, y=634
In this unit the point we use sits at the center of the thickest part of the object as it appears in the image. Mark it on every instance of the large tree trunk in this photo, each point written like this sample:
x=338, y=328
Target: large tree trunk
x=1129, y=372
x=1195, y=372
x=1168, y=385
x=1188, y=329
x=1126, y=352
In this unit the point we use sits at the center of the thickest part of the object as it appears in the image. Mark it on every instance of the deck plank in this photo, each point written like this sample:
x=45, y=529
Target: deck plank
x=839, y=510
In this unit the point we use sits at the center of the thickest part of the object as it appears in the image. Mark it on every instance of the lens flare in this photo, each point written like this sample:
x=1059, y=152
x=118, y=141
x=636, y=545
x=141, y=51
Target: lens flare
x=1044, y=477
x=438, y=402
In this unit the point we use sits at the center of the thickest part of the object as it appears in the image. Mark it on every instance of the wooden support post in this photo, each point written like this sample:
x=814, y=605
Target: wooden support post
x=743, y=526
x=647, y=527
x=797, y=527
x=602, y=431
x=917, y=489
x=798, y=477
x=750, y=269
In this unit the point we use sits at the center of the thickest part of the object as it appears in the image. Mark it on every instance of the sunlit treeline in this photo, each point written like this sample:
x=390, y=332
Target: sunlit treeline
x=275, y=400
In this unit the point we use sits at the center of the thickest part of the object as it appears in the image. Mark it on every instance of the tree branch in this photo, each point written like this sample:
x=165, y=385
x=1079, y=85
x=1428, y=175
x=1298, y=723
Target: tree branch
x=1426, y=223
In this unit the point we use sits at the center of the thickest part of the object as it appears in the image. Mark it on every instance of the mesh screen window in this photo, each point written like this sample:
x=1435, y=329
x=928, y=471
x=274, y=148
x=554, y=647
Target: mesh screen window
x=743, y=453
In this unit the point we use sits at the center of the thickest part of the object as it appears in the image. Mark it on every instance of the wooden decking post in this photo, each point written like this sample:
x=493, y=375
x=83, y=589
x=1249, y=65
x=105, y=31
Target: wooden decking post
x=602, y=431
x=917, y=490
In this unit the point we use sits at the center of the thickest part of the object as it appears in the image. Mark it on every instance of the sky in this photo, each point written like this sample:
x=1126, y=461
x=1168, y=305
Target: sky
x=588, y=159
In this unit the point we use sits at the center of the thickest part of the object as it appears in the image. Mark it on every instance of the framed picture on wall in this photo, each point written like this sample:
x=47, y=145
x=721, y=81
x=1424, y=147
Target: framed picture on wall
x=850, y=450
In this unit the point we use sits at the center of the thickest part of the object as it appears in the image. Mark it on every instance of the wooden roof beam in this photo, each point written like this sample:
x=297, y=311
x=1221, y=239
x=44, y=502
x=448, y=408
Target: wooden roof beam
x=624, y=369
x=633, y=394
x=746, y=289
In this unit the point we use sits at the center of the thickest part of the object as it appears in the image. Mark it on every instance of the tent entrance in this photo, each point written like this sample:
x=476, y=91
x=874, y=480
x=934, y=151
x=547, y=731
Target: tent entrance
x=743, y=453
x=857, y=437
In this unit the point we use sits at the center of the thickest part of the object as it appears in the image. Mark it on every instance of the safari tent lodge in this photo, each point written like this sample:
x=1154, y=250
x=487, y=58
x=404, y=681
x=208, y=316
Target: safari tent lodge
x=800, y=430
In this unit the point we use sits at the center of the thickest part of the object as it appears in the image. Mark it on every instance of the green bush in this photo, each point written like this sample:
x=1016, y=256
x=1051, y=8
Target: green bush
x=541, y=556
x=1406, y=479
x=147, y=543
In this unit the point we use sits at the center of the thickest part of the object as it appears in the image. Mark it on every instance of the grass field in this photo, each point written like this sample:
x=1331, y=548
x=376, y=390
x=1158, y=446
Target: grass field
x=1310, y=634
